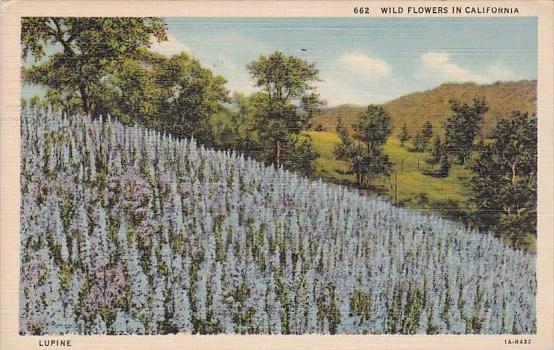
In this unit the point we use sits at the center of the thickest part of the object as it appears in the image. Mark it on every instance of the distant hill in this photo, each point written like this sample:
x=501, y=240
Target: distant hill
x=432, y=105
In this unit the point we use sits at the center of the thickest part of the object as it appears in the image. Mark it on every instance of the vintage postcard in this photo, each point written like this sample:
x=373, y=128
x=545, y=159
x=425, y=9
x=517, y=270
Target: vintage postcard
x=276, y=175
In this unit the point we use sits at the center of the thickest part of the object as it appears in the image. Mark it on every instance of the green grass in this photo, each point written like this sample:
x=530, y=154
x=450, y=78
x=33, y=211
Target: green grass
x=447, y=195
x=326, y=166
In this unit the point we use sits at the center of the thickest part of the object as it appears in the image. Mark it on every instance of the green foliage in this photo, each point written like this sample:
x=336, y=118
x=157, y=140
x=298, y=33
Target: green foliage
x=194, y=95
x=365, y=154
x=360, y=305
x=373, y=128
x=421, y=139
x=412, y=312
x=103, y=66
x=504, y=180
x=417, y=141
x=287, y=102
x=234, y=127
x=437, y=151
x=439, y=159
x=88, y=48
x=347, y=151
x=462, y=127
x=344, y=149
x=174, y=94
x=133, y=93
x=444, y=165
x=426, y=133
x=404, y=135
x=302, y=158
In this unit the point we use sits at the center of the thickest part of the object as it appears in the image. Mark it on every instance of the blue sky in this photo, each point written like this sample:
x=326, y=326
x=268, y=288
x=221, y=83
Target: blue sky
x=365, y=60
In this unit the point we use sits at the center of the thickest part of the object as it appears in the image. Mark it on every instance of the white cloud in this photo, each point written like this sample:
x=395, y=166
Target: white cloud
x=341, y=87
x=170, y=47
x=438, y=65
x=356, y=77
x=237, y=76
x=336, y=91
x=363, y=64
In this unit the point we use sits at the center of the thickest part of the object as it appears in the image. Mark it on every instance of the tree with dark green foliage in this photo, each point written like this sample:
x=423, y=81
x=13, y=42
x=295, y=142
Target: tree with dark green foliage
x=444, y=165
x=234, y=127
x=174, y=94
x=504, y=180
x=365, y=153
x=346, y=142
x=287, y=102
x=462, y=127
x=132, y=93
x=437, y=151
x=426, y=134
x=347, y=150
x=418, y=143
x=404, y=135
x=193, y=94
x=373, y=128
x=89, y=49
x=103, y=66
x=303, y=157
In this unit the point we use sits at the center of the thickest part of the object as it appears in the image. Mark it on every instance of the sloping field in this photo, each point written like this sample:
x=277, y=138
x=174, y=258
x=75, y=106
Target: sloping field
x=128, y=231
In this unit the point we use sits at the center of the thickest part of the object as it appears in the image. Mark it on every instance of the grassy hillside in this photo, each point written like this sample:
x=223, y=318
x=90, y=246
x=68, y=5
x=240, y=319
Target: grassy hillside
x=414, y=109
x=446, y=195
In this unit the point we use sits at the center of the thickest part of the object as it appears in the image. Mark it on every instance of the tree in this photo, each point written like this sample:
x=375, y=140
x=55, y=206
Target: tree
x=347, y=150
x=404, y=135
x=103, y=66
x=303, y=157
x=444, y=165
x=417, y=141
x=366, y=155
x=342, y=149
x=287, y=102
x=373, y=128
x=133, y=92
x=193, y=94
x=437, y=151
x=234, y=127
x=172, y=94
x=504, y=180
x=426, y=133
x=87, y=49
x=462, y=127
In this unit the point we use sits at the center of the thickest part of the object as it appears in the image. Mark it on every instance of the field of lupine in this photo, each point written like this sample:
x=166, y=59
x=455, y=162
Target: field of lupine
x=128, y=231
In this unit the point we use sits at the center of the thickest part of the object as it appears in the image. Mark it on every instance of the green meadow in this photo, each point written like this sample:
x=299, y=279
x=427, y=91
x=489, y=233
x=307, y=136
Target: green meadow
x=413, y=189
